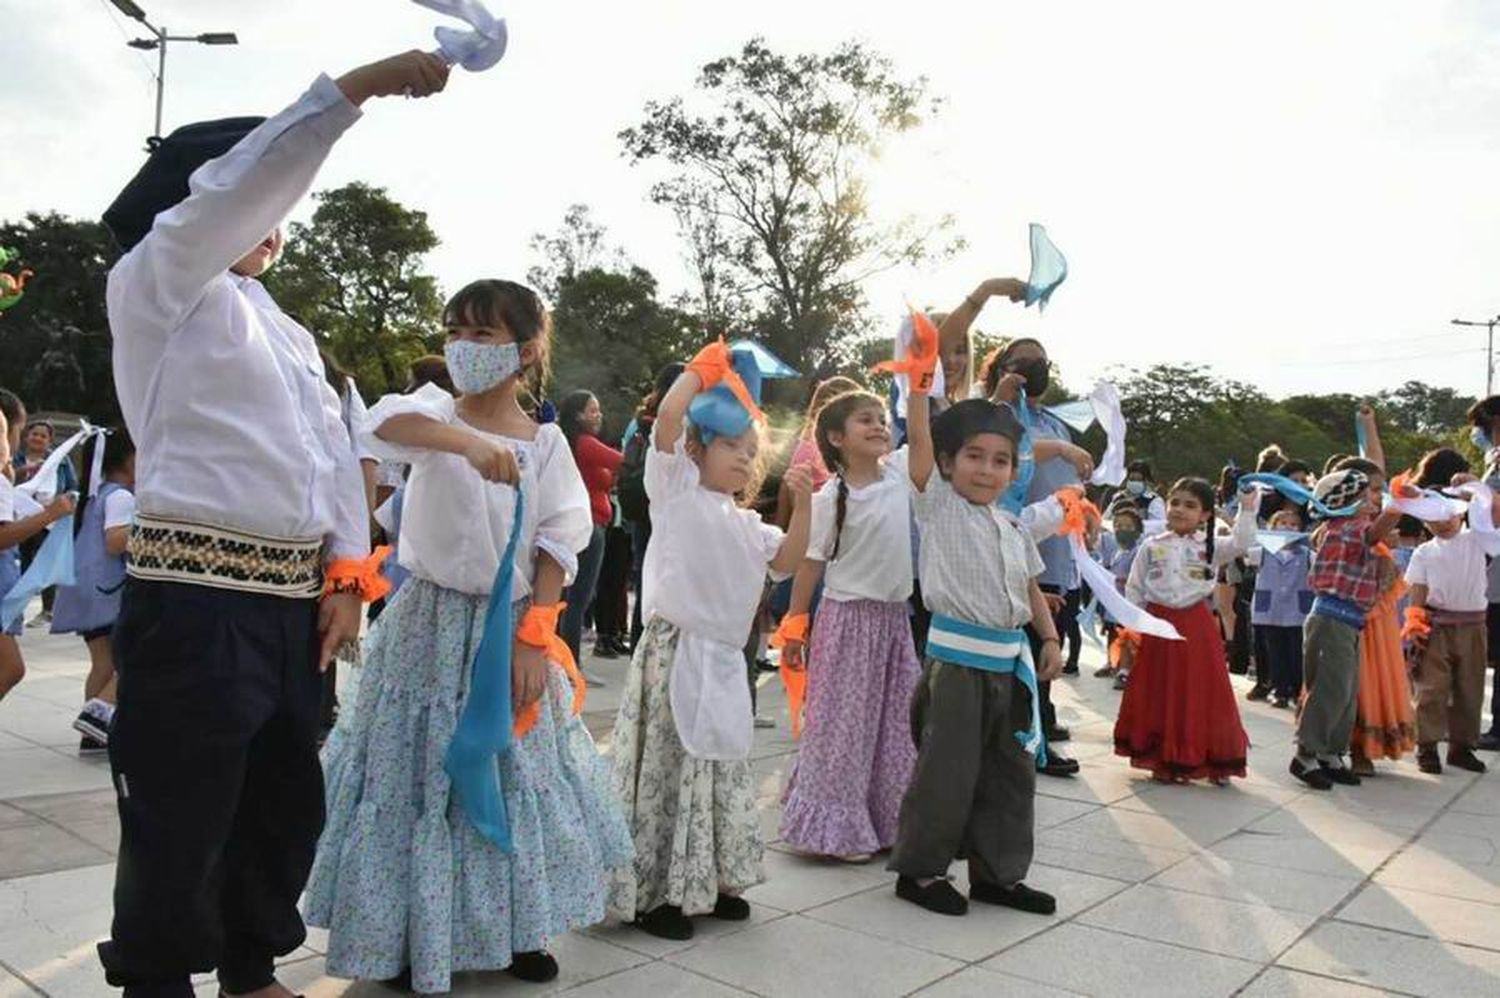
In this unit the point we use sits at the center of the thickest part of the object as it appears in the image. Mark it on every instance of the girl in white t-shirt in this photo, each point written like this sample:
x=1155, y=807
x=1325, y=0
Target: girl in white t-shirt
x=683, y=733
x=470, y=816
x=844, y=795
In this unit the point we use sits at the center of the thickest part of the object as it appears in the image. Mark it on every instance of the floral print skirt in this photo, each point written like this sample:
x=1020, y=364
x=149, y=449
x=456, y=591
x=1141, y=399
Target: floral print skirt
x=401, y=878
x=696, y=829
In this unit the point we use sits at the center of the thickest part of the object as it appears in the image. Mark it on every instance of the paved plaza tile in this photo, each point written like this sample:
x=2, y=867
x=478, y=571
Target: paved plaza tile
x=1263, y=889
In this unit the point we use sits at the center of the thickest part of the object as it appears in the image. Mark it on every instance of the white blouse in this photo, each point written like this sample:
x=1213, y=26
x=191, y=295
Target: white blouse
x=874, y=561
x=1174, y=570
x=455, y=525
x=707, y=561
x=222, y=391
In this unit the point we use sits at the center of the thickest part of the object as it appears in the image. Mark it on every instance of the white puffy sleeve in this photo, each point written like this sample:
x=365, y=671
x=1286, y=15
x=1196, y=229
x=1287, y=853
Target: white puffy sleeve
x=1042, y=519
x=429, y=400
x=564, y=520
x=669, y=475
x=770, y=538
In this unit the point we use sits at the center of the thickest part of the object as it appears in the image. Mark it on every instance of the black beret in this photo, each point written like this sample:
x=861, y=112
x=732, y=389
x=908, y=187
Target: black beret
x=163, y=181
x=964, y=420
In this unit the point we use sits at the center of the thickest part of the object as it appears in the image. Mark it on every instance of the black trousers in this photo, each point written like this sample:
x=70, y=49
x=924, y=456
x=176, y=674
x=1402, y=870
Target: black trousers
x=214, y=753
x=1278, y=660
x=612, y=594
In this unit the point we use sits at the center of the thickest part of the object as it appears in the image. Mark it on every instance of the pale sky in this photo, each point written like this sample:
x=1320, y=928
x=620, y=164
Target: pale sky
x=1298, y=194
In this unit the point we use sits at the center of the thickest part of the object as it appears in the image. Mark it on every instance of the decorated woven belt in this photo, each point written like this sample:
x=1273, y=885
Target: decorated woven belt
x=163, y=550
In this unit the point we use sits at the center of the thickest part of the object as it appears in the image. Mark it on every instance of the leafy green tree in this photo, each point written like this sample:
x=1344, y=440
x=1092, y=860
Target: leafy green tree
x=769, y=190
x=1427, y=409
x=56, y=339
x=354, y=277
x=611, y=335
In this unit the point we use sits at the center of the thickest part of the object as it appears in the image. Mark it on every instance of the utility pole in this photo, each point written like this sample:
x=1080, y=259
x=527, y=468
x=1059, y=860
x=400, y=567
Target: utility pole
x=1489, y=351
x=158, y=41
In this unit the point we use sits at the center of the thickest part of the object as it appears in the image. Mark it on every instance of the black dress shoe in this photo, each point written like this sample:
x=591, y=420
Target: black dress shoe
x=1428, y=761
x=1017, y=896
x=1070, y=670
x=1488, y=742
x=1464, y=758
x=1258, y=692
x=536, y=966
x=1341, y=775
x=603, y=649
x=731, y=908
x=1058, y=765
x=665, y=922
x=940, y=896
x=1314, y=776
x=1058, y=733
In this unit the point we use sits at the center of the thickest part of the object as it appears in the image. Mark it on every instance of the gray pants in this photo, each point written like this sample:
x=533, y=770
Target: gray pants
x=1330, y=670
x=972, y=793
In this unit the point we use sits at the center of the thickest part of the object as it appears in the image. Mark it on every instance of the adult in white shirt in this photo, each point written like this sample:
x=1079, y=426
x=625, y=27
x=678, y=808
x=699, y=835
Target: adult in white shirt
x=249, y=495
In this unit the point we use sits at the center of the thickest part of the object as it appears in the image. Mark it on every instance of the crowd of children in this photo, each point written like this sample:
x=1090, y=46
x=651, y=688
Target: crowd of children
x=929, y=555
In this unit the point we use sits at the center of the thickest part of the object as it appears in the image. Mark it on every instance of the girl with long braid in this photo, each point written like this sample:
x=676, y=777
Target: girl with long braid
x=844, y=795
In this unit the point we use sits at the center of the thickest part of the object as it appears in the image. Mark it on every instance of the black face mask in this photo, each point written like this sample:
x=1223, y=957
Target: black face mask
x=1037, y=373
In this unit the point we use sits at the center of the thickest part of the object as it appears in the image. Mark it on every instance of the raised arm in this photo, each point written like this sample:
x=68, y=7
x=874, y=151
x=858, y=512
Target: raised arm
x=237, y=200
x=955, y=328
x=671, y=414
x=1374, y=452
x=794, y=547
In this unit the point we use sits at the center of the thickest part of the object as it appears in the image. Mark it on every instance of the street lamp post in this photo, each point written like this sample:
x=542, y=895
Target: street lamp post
x=1489, y=351
x=158, y=41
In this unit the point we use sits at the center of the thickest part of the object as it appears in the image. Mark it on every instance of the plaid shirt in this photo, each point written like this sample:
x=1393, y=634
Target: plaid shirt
x=1345, y=566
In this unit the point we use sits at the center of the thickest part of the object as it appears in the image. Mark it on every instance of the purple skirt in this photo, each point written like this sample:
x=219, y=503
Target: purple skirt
x=843, y=797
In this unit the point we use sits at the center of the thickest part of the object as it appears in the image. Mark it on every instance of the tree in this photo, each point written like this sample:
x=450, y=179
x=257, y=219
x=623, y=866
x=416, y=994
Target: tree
x=577, y=245
x=1422, y=408
x=57, y=342
x=611, y=336
x=769, y=189
x=353, y=276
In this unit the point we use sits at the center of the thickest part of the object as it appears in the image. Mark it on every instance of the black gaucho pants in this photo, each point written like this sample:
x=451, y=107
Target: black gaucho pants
x=214, y=754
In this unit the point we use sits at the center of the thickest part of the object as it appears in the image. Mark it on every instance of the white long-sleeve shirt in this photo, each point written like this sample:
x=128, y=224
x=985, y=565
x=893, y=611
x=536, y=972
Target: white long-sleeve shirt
x=223, y=393
x=1173, y=570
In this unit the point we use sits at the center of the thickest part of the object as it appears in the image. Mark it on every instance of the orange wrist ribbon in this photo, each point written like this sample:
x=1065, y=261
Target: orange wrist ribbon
x=794, y=627
x=1076, y=511
x=1418, y=626
x=1124, y=638
x=921, y=358
x=360, y=576
x=538, y=628
x=1402, y=487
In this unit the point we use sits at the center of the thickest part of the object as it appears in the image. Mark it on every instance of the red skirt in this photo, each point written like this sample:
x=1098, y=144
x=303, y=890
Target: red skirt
x=1179, y=717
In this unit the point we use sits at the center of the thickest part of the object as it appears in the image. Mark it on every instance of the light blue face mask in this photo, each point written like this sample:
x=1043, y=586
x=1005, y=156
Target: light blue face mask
x=1480, y=437
x=1135, y=486
x=478, y=367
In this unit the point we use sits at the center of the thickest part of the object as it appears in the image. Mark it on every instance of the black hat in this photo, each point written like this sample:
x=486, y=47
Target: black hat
x=969, y=418
x=163, y=180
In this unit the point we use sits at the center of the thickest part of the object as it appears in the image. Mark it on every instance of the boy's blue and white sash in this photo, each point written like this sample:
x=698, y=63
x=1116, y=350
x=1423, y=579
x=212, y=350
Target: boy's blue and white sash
x=992, y=649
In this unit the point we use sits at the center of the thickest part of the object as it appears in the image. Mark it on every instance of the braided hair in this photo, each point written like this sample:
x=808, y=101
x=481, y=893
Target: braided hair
x=831, y=419
x=1200, y=490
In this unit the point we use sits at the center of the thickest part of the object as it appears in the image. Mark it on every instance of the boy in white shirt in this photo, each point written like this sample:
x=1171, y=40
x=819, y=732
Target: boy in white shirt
x=232, y=607
x=1448, y=577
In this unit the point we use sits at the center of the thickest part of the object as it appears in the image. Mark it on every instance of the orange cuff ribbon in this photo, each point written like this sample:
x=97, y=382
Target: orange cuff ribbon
x=360, y=576
x=1124, y=638
x=794, y=627
x=1076, y=511
x=715, y=365
x=1402, y=487
x=921, y=359
x=1418, y=626
x=538, y=628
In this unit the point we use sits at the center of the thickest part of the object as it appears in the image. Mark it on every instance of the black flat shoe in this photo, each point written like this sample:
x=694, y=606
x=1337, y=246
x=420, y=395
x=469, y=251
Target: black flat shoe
x=602, y=650
x=1258, y=693
x=666, y=922
x=731, y=908
x=1314, y=776
x=1428, y=762
x=1059, y=733
x=1340, y=775
x=1058, y=765
x=1070, y=670
x=940, y=896
x=536, y=966
x=1464, y=758
x=1017, y=896
x=1489, y=742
